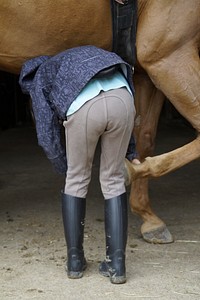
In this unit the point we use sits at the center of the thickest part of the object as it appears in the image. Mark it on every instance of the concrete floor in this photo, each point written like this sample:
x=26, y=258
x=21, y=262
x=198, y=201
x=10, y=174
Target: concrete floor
x=32, y=244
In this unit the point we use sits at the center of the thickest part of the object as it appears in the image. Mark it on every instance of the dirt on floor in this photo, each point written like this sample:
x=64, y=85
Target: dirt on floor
x=32, y=245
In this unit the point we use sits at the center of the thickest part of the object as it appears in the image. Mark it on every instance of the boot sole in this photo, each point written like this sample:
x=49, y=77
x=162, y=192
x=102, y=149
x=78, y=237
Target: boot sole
x=74, y=275
x=113, y=279
x=118, y=279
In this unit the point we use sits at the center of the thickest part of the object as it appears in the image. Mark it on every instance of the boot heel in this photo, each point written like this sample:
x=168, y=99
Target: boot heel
x=76, y=274
x=114, y=268
x=76, y=263
x=118, y=279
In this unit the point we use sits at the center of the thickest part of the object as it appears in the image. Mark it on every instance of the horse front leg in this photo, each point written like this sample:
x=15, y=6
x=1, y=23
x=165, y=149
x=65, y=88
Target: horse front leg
x=153, y=229
x=149, y=102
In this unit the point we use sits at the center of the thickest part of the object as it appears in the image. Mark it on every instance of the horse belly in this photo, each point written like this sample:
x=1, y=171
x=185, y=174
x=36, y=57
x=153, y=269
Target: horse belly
x=29, y=29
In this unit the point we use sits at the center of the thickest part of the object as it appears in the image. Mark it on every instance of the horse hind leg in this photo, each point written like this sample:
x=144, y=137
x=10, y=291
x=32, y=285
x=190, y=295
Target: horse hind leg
x=181, y=86
x=181, y=83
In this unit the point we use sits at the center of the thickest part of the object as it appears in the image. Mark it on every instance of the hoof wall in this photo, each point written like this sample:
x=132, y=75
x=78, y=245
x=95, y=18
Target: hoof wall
x=158, y=236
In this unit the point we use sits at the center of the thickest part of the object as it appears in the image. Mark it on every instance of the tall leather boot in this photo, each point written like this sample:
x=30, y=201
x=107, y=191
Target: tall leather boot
x=73, y=212
x=116, y=223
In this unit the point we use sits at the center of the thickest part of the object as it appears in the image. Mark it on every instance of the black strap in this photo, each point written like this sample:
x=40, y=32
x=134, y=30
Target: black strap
x=124, y=20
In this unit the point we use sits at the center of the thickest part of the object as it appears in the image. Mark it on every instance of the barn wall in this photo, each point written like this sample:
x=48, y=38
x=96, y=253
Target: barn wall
x=14, y=105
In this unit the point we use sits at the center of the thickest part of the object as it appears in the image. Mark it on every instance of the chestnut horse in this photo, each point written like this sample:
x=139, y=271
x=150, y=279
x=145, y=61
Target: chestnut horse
x=167, y=42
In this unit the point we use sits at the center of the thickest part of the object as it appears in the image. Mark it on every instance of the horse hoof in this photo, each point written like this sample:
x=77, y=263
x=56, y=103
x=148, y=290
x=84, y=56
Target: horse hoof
x=159, y=236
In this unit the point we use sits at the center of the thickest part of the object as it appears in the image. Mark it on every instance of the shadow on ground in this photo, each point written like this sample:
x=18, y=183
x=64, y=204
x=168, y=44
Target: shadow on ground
x=33, y=251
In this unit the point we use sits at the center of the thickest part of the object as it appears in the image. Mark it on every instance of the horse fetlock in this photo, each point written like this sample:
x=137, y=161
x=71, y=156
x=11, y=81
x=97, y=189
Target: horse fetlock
x=134, y=171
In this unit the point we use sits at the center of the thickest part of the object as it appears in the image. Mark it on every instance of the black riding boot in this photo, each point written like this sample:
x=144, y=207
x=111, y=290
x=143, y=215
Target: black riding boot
x=73, y=211
x=116, y=222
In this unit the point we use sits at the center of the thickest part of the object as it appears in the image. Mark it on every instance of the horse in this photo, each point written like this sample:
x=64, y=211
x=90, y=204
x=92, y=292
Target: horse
x=167, y=48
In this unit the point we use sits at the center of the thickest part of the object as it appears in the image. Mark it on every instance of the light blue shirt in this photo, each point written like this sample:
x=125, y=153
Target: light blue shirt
x=95, y=86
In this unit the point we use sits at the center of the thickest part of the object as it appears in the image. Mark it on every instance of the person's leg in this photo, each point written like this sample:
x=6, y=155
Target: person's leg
x=114, y=143
x=73, y=212
x=82, y=133
x=116, y=222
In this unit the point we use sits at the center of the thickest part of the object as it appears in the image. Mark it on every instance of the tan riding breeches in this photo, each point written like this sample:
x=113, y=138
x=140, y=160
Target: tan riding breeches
x=109, y=116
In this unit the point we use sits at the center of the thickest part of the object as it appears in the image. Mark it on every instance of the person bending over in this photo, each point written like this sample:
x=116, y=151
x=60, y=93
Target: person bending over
x=90, y=91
